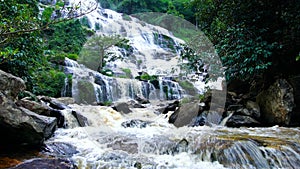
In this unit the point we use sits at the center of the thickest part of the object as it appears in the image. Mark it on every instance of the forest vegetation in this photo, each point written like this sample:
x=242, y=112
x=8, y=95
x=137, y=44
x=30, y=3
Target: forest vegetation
x=255, y=39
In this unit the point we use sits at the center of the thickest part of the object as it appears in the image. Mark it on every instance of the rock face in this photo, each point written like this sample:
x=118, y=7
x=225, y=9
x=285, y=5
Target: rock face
x=122, y=108
x=46, y=164
x=19, y=125
x=10, y=85
x=185, y=114
x=276, y=103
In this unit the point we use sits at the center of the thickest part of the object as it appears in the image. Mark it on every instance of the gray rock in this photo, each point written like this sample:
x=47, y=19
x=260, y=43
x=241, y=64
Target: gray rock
x=42, y=109
x=40, y=163
x=240, y=120
x=60, y=149
x=135, y=123
x=22, y=126
x=276, y=103
x=82, y=121
x=185, y=114
x=253, y=108
x=122, y=108
x=10, y=85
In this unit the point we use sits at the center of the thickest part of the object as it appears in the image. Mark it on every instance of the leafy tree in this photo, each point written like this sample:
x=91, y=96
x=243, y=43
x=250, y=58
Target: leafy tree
x=22, y=52
x=96, y=51
x=252, y=37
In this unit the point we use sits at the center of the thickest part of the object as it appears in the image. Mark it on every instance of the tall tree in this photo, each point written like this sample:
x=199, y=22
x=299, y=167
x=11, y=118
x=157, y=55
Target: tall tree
x=96, y=51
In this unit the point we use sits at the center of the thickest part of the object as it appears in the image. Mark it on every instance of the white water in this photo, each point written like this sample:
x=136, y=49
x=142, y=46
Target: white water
x=106, y=144
x=160, y=145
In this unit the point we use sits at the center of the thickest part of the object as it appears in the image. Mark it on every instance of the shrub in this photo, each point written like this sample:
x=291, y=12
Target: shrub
x=48, y=83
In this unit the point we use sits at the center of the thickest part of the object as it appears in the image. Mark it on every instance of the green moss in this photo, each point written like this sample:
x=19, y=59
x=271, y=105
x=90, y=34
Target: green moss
x=127, y=72
x=126, y=17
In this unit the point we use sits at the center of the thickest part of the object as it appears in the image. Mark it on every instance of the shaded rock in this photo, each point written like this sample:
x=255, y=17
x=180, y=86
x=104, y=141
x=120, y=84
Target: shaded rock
x=135, y=104
x=276, y=103
x=141, y=99
x=122, y=107
x=240, y=120
x=66, y=100
x=60, y=149
x=243, y=111
x=170, y=107
x=82, y=120
x=41, y=163
x=135, y=123
x=54, y=103
x=198, y=121
x=19, y=125
x=185, y=114
x=42, y=109
x=33, y=106
x=11, y=85
x=253, y=108
x=295, y=116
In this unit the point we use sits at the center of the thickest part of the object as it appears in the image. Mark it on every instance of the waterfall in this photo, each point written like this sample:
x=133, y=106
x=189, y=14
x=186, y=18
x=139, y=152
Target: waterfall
x=89, y=86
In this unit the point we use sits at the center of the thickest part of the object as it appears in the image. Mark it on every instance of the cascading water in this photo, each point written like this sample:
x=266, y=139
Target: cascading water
x=89, y=86
x=151, y=142
x=106, y=143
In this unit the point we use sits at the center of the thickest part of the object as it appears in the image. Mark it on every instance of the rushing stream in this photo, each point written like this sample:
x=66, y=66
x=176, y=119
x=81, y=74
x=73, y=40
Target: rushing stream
x=107, y=143
x=144, y=138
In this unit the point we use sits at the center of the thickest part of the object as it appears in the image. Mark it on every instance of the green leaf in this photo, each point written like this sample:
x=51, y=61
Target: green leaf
x=47, y=14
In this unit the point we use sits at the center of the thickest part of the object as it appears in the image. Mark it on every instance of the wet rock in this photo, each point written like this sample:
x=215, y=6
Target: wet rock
x=184, y=114
x=170, y=107
x=10, y=85
x=54, y=103
x=82, y=120
x=126, y=145
x=42, y=109
x=59, y=149
x=22, y=126
x=181, y=146
x=122, y=108
x=241, y=120
x=198, y=121
x=253, y=108
x=276, y=103
x=66, y=100
x=135, y=104
x=141, y=99
x=56, y=163
x=135, y=123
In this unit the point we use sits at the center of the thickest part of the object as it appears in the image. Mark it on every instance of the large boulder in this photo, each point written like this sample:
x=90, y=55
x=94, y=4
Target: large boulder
x=46, y=163
x=276, y=103
x=122, y=108
x=185, y=114
x=43, y=109
x=10, y=85
x=242, y=120
x=21, y=126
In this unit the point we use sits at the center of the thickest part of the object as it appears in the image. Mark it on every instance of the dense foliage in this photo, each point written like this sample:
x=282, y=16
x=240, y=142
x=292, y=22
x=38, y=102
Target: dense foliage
x=252, y=37
x=29, y=41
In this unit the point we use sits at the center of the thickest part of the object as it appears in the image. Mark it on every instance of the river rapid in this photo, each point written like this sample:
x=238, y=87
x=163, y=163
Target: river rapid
x=107, y=143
